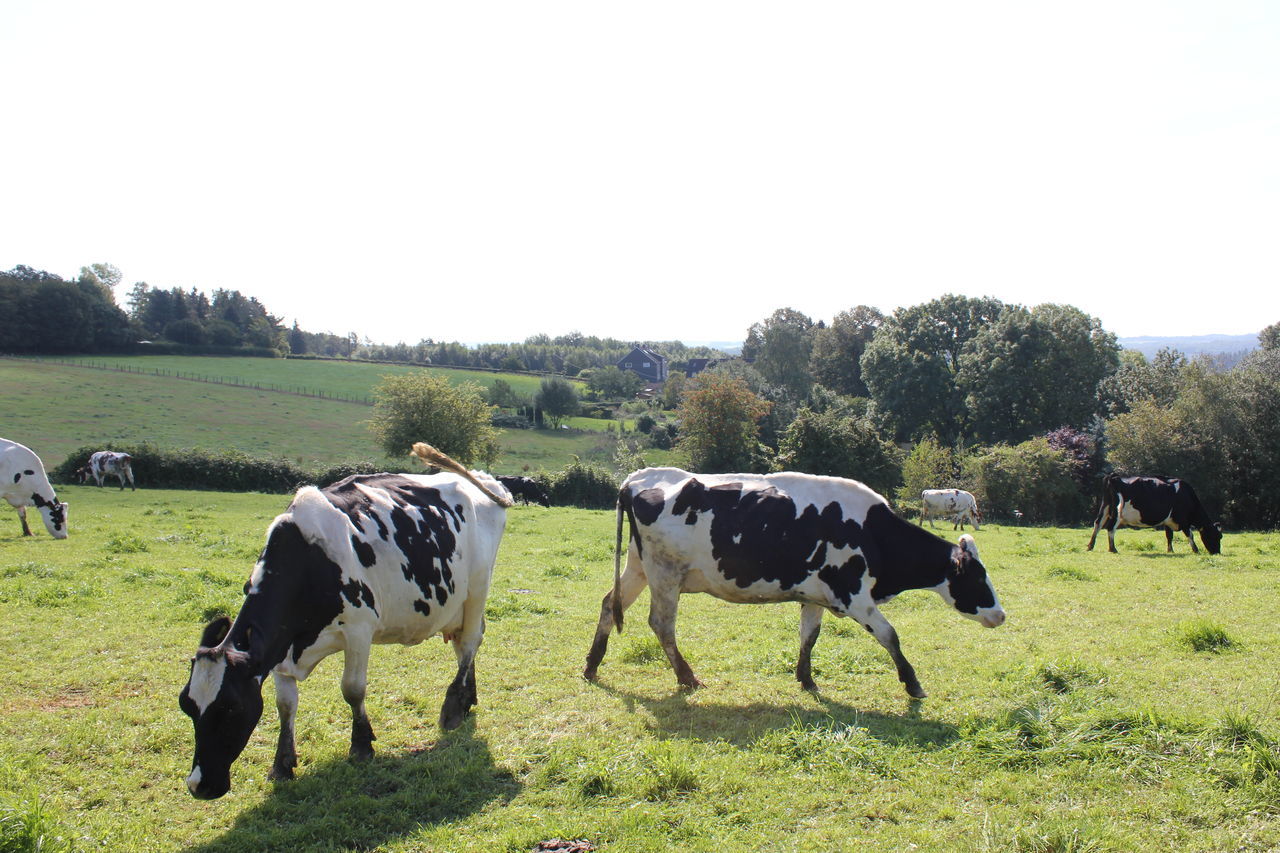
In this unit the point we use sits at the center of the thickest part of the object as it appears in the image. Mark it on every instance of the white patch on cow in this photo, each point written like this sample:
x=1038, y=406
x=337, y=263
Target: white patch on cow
x=193, y=781
x=206, y=681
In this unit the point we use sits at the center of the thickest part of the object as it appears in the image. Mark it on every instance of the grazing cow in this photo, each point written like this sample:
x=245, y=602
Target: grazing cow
x=828, y=543
x=23, y=483
x=374, y=558
x=956, y=504
x=104, y=463
x=525, y=489
x=1166, y=502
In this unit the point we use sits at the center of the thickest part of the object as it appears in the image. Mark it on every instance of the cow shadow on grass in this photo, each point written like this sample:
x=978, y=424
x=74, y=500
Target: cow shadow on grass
x=344, y=805
x=681, y=715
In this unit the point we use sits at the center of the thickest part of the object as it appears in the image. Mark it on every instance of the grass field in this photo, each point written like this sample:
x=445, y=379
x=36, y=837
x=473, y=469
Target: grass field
x=1129, y=703
x=56, y=408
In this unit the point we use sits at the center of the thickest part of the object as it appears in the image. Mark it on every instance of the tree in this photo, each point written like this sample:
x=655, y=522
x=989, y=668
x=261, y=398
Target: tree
x=421, y=407
x=826, y=443
x=780, y=348
x=1031, y=478
x=929, y=465
x=1269, y=338
x=558, y=399
x=1136, y=379
x=297, y=340
x=1031, y=371
x=613, y=383
x=911, y=364
x=718, y=417
x=835, y=360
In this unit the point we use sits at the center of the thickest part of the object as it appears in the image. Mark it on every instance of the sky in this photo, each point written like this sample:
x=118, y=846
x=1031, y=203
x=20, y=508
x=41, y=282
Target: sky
x=487, y=171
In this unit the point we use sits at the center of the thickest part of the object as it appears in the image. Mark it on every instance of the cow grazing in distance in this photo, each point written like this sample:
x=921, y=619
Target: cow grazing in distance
x=1166, y=502
x=105, y=463
x=956, y=504
x=23, y=483
x=525, y=489
x=374, y=558
x=825, y=542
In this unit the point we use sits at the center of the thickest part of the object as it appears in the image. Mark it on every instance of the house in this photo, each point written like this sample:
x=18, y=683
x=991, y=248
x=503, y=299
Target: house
x=646, y=364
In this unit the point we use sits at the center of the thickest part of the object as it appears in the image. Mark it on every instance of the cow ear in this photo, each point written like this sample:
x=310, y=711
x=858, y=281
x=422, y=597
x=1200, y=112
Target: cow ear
x=968, y=545
x=215, y=632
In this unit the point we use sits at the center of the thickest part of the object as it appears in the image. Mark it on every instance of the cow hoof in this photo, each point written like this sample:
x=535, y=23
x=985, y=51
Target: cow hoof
x=280, y=773
x=808, y=684
x=589, y=675
x=360, y=753
x=917, y=692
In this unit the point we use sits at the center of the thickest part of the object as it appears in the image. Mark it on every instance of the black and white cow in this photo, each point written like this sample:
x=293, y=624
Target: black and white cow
x=375, y=558
x=956, y=504
x=1166, y=502
x=23, y=483
x=828, y=543
x=105, y=463
x=525, y=489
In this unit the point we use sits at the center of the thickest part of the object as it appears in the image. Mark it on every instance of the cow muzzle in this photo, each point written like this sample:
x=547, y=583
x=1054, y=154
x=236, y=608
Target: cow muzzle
x=207, y=789
x=992, y=618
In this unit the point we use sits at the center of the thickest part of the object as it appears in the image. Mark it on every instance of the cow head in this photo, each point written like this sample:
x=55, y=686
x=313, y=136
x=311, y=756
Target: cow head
x=82, y=474
x=55, y=516
x=967, y=587
x=223, y=698
x=1211, y=536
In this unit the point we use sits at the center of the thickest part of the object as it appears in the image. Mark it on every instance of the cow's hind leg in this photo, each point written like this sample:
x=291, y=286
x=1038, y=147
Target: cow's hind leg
x=355, y=674
x=461, y=696
x=880, y=628
x=630, y=585
x=810, y=626
x=1104, y=513
x=287, y=708
x=664, y=597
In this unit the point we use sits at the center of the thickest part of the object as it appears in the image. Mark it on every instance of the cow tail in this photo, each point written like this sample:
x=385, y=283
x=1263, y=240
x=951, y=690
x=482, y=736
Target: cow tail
x=617, y=566
x=430, y=456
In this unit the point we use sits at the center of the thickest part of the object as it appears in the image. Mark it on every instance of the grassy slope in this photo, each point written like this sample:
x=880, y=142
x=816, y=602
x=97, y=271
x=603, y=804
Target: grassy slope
x=1082, y=724
x=55, y=409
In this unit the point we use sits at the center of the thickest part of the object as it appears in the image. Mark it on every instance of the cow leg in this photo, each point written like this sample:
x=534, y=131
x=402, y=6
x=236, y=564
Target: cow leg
x=810, y=626
x=663, y=600
x=880, y=628
x=1190, y=538
x=1103, y=516
x=22, y=517
x=355, y=674
x=287, y=708
x=630, y=585
x=1168, y=540
x=460, y=698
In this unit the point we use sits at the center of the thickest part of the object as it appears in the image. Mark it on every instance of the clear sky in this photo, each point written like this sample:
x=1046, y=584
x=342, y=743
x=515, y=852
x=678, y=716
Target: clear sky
x=483, y=171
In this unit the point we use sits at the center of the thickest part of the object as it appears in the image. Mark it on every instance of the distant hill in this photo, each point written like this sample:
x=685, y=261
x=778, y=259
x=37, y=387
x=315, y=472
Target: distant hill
x=1192, y=345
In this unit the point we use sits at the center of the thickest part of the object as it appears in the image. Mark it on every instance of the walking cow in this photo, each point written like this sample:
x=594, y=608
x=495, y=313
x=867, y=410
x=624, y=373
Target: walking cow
x=105, y=463
x=23, y=483
x=828, y=543
x=1166, y=502
x=376, y=558
x=956, y=504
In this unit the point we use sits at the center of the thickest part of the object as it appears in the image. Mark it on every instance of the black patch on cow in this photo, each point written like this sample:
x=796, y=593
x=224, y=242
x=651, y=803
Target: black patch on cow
x=364, y=552
x=17, y=476
x=758, y=535
x=359, y=594
x=905, y=556
x=428, y=543
x=647, y=505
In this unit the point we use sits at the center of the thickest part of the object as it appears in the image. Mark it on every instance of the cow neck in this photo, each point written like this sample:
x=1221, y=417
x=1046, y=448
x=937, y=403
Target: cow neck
x=909, y=557
x=281, y=609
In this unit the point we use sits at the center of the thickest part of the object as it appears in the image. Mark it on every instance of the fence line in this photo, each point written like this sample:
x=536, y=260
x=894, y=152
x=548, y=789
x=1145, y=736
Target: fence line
x=234, y=382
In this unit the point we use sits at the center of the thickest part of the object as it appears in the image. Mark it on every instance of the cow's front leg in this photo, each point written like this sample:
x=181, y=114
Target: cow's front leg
x=880, y=628
x=663, y=599
x=355, y=674
x=630, y=585
x=810, y=627
x=1190, y=539
x=22, y=517
x=287, y=708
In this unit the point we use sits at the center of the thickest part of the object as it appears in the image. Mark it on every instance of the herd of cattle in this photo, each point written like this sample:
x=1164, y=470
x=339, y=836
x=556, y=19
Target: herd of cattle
x=398, y=558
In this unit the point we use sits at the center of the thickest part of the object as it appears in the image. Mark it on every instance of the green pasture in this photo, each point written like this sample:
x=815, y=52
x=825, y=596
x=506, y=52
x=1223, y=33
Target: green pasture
x=56, y=408
x=1129, y=703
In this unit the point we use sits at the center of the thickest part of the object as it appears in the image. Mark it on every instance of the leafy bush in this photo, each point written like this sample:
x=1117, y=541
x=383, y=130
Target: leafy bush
x=582, y=485
x=1030, y=477
x=227, y=471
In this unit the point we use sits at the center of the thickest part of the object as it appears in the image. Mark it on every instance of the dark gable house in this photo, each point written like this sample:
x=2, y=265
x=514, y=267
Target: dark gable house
x=646, y=364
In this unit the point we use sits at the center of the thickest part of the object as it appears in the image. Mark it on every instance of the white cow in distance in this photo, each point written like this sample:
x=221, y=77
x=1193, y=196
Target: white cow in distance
x=23, y=483
x=956, y=504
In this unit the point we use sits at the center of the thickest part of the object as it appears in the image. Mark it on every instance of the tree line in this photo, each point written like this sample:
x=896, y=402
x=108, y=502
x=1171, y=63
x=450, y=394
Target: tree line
x=1027, y=407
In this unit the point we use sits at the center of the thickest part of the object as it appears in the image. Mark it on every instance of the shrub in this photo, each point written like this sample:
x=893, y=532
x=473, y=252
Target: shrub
x=582, y=485
x=1203, y=635
x=827, y=443
x=1031, y=477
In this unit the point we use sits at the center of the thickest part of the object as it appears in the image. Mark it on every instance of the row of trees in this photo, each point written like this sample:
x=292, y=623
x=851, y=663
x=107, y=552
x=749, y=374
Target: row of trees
x=1025, y=407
